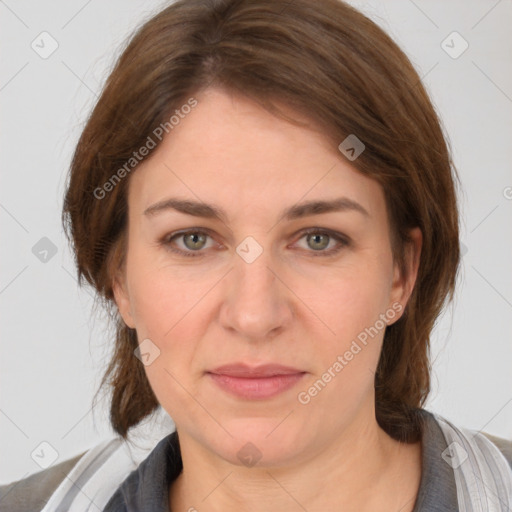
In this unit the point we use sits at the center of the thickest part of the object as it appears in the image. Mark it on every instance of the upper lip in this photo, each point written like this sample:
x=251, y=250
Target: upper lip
x=264, y=370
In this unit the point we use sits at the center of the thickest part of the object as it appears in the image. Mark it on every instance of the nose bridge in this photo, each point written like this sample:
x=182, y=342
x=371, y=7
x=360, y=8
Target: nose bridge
x=253, y=279
x=256, y=303
x=252, y=260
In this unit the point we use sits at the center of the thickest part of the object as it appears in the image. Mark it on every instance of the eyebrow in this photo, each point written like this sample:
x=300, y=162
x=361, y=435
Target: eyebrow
x=209, y=211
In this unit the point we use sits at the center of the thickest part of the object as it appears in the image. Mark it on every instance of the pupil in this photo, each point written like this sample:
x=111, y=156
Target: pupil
x=194, y=238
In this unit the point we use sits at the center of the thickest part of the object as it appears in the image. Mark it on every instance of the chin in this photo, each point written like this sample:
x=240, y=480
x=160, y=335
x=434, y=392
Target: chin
x=256, y=442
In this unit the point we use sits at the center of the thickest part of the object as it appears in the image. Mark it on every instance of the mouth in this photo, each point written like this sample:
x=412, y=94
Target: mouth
x=248, y=371
x=255, y=383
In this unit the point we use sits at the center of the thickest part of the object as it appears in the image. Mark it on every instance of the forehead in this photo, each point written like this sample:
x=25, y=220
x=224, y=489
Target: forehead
x=228, y=150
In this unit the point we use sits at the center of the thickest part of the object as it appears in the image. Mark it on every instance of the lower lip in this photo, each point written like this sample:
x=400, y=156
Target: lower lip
x=256, y=388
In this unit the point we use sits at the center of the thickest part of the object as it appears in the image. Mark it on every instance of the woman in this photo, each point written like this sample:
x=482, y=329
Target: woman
x=264, y=195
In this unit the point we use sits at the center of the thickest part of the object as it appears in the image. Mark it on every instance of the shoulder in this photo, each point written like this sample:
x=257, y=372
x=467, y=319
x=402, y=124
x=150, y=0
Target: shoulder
x=504, y=445
x=430, y=418
x=33, y=492
x=70, y=484
x=477, y=438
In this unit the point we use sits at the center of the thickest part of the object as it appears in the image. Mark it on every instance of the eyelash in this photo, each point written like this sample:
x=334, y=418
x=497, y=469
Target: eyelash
x=342, y=240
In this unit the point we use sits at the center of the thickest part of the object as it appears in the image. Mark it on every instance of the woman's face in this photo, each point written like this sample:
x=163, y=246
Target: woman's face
x=253, y=287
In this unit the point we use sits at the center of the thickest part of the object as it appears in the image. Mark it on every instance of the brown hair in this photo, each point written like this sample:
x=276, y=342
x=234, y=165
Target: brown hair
x=327, y=61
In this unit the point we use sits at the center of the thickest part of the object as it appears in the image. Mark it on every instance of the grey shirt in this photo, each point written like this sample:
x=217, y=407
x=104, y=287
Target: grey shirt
x=146, y=488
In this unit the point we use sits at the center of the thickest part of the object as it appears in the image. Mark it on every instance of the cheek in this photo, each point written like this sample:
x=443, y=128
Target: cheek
x=160, y=295
x=169, y=311
x=353, y=298
x=351, y=306
x=349, y=342
x=173, y=310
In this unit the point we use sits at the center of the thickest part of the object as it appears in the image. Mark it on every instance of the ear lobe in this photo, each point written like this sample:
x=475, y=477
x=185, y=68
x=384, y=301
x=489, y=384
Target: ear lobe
x=403, y=285
x=122, y=300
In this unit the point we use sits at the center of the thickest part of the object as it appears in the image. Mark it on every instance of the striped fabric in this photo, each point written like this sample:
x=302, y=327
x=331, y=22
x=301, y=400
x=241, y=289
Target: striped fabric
x=94, y=479
x=482, y=473
x=102, y=469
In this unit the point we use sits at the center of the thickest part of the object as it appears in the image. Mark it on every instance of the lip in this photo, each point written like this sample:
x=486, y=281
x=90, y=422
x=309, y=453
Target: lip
x=263, y=370
x=255, y=383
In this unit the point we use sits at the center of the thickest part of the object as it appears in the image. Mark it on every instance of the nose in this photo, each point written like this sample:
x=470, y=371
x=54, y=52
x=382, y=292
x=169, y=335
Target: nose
x=257, y=305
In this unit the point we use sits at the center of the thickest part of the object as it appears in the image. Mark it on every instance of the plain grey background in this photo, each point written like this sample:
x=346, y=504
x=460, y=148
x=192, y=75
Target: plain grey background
x=53, y=348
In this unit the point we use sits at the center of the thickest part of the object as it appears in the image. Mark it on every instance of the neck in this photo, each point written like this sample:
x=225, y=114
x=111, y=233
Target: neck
x=363, y=469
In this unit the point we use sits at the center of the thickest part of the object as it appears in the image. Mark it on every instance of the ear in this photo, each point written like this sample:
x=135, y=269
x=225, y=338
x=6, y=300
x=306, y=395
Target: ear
x=403, y=285
x=122, y=299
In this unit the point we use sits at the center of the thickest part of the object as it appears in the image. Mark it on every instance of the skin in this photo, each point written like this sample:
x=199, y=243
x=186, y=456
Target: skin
x=288, y=306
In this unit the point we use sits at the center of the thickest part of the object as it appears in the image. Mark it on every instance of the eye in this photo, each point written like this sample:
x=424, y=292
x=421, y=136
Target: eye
x=319, y=239
x=191, y=242
x=320, y=242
